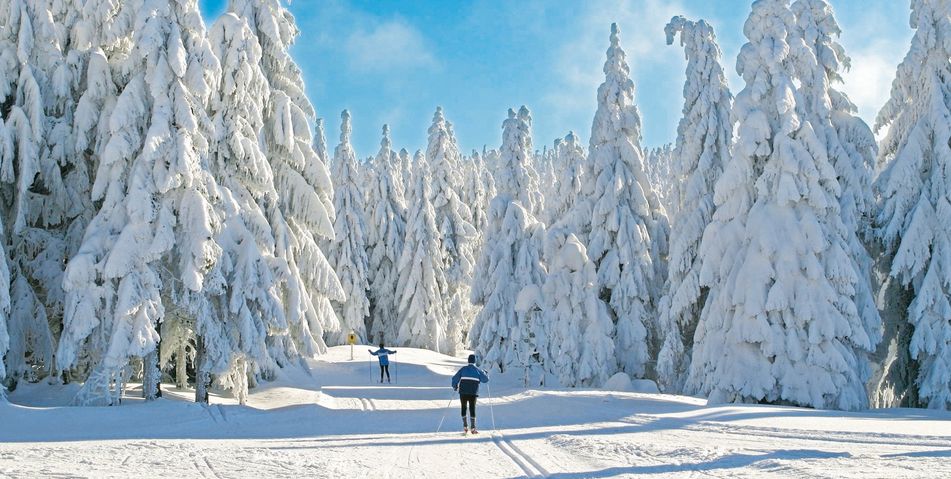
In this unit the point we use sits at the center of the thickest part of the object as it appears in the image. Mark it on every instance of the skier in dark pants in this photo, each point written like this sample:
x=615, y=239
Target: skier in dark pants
x=467, y=381
x=383, y=354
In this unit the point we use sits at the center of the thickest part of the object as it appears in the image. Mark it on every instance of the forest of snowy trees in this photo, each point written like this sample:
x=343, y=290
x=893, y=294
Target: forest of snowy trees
x=171, y=211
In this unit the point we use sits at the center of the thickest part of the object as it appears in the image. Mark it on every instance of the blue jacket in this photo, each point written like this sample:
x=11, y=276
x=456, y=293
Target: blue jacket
x=467, y=380
x=383, y=354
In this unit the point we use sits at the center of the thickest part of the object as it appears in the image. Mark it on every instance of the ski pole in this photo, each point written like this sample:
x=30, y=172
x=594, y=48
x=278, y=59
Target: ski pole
x=451, y=395
x=397, y=364
x=491, y=409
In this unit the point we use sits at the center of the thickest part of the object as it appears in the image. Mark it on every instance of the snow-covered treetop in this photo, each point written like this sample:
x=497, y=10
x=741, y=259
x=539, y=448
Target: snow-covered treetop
x=320, y=141
x=616, y=108
x=516, y=177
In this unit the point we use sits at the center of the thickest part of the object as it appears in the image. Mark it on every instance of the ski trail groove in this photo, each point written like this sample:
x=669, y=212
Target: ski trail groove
x=208, y=410
x=203, y=466
x=522, y=460
x=221, y=412
x=214, y=473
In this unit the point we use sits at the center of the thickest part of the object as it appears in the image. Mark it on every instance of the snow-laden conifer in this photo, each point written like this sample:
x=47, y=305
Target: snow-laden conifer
x=348, y=251
x=580, y=345
x=851, y=149
x=249, y=307
x=320, y=141
x=627, y=227
x=47, y=198
x=304, y=216
x=454, y=221
x=422, y=309
x=151, y=243
x=510, y=272
x=780, y=317
x=85, y=334
x=515, y=171
x=570, y=160
x=702, y=150
x=386, y=225
x=914, y=215
x=405, y=168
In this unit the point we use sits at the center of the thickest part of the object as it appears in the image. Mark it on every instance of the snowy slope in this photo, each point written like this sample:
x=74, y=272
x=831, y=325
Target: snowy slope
x=338, y=423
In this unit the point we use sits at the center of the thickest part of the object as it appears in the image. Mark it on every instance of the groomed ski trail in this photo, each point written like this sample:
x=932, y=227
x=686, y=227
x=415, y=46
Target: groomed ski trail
x=529, y=466
x=329, y=422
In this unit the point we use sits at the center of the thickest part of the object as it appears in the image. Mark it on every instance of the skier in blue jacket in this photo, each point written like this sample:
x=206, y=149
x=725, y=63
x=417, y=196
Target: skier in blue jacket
x=383, y=355
x=467, y=381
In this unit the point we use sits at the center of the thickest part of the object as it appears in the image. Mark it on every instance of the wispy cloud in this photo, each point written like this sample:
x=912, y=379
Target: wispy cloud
x=387, y=46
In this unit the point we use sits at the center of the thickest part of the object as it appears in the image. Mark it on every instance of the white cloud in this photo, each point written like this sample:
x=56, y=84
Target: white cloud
x=388, y=45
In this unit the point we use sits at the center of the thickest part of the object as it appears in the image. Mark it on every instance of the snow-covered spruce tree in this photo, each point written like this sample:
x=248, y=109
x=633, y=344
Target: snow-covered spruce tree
x=405, y=168
x=570, y=169
x=515, y=171
x=660, y=168
x=453, y=219
x=422, y=310
x=246, y=279
x=102, y=40
x=780, y=313
x=627, y=225
x=545, y=165
x=386, y=227
x=150, y=244
x=509, y=274
x=851, y=149
x=481, y=190
x=703, y=148
x=45, y=187
x=348, y=252
x=914, y=215
x=580, y=345
x=305, y=214
x=320, y=141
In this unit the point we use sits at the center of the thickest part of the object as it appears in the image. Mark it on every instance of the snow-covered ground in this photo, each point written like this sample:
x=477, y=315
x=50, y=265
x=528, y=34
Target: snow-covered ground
x=338, y=423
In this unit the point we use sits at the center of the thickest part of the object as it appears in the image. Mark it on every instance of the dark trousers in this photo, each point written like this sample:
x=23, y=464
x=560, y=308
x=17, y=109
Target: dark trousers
x=468, y=401
x=384, y=368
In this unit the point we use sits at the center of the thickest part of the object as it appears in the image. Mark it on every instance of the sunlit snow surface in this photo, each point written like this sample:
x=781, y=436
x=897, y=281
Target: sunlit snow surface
x=338, y=423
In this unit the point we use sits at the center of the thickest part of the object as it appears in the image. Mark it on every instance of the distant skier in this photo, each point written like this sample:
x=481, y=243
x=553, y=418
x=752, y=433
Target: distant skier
x=383, y=354
x=467, y=381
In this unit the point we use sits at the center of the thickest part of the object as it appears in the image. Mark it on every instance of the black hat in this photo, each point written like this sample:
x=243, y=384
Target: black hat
x=472, y=359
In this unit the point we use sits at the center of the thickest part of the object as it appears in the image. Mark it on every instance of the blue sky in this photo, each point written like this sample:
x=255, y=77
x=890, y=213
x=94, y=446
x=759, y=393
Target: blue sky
x=394, y=62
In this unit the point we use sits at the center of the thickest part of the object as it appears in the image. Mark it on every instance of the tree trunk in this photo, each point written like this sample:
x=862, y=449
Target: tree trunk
x=151, y=376
x=202, y=378
x=181, y=373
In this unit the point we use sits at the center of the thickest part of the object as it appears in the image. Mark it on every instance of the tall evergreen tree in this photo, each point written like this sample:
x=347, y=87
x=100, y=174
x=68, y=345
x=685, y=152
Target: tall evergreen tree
x=304, y=215
x=454, y=220
x=627, y=230
x=914, y=214
x=703, y=149
x=348, y=252
x=510, y=271
x=580, y=345
x=422, y=310
x=780, y=316
x=150, y=244
x=386, y=228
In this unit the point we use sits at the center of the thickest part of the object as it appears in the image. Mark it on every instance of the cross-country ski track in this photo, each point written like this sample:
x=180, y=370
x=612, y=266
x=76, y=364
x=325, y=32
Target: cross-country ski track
x=333, y=422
